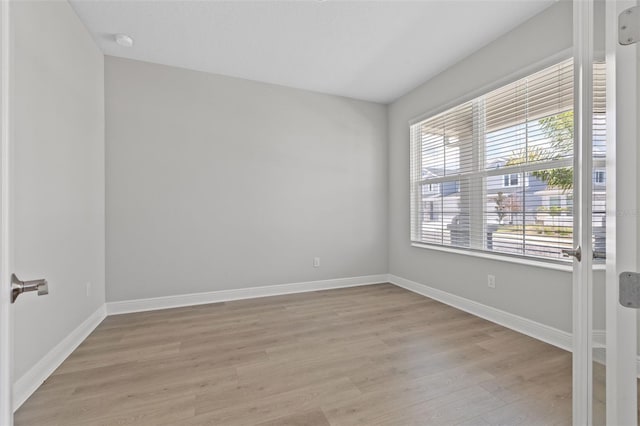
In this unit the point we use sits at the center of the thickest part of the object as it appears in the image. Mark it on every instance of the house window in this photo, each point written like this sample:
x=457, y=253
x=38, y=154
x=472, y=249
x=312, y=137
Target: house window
x=598, y=176
x=504, y=166
x=510, y=180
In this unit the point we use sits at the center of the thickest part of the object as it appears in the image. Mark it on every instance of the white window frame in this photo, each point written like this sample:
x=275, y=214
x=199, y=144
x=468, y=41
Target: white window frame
x=546, y=263
x=465, y=97
x=508, y=178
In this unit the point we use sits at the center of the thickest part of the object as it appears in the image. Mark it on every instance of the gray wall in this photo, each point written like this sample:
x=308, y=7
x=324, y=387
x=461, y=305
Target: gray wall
x=58, y=174
x=220, y=183
x=536, y=293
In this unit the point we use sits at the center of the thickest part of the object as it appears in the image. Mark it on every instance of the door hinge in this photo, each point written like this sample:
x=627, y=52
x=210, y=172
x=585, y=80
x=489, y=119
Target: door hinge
x=630, y=289
x=629, y=26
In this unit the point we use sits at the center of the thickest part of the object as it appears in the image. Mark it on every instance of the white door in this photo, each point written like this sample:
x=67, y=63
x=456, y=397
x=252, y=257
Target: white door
x=604, y=358
x=6, y=411
x=621, y=322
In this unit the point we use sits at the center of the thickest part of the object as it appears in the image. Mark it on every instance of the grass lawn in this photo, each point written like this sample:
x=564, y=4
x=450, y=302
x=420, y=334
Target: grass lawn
x=551, y=231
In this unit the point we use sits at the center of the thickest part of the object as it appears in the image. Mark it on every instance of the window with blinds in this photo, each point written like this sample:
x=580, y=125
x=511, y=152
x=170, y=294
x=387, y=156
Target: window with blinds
x=496, y=173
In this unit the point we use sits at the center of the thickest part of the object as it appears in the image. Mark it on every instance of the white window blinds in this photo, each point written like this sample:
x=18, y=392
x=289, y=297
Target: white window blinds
x=496, y=173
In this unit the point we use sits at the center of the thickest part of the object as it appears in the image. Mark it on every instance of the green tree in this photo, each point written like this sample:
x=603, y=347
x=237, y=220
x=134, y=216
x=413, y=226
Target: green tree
x=558, y=129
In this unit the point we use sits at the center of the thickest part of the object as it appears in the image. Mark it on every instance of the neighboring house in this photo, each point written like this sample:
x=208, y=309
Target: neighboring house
x=436, y=197
x=522, y=198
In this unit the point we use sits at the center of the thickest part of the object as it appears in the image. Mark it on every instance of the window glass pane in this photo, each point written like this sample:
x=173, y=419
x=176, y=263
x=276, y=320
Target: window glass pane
x=456, y=214
x=445, y=214
x=530, y=219
x=504, y=213
x=549, y=228
x=504, y=145
x=599, y=219
x=431, y=218
x=446, y=142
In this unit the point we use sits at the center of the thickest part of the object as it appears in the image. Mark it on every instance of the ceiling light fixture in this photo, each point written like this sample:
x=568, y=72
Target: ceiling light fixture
x=124, y=40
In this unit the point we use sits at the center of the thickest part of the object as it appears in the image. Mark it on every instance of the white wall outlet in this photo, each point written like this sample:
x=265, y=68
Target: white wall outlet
x=316, y=262
x=87, y=288
x=491, y=281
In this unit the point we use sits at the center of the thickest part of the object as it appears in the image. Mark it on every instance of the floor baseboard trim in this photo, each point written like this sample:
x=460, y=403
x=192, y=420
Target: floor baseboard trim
x=531, y=328
x=545, y=333
x=181, y=300
x=32, y=379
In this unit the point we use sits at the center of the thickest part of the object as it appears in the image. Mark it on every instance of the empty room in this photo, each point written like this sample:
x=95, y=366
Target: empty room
x=319, y=212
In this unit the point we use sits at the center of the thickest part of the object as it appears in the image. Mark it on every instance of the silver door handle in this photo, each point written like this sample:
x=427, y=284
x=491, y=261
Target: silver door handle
x=577, y=253
x=18, y=287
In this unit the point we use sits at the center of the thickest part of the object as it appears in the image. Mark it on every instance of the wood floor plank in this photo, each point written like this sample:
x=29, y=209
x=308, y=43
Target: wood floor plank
x=447, y=409
x=276, y=405
x=313, y=418
x=399, y=395
x=371, y=355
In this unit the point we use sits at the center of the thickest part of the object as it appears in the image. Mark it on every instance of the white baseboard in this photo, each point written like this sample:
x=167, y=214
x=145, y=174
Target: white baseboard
x=599, y=338
x=32, y=379
x=155, y=303
x=531, y=328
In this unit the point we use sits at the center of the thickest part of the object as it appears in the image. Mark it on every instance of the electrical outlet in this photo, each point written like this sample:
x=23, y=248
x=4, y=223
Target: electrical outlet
x=491, y=281
x=88, y=288
x=316, y=262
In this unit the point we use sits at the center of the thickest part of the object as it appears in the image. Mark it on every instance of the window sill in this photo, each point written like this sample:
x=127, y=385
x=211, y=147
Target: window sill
x=510, y=259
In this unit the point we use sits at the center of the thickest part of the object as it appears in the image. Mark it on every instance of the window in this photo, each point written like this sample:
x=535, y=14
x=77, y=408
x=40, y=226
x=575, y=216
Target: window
x=598, y=176
x=503, y=165
x=510, y=180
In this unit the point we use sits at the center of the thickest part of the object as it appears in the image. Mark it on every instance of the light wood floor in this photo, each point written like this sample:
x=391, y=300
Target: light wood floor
x=373, y=355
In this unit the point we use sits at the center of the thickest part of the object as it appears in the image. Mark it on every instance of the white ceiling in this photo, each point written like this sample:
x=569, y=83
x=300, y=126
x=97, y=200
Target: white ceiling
x=371, y=50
